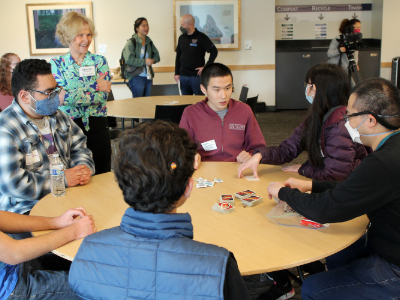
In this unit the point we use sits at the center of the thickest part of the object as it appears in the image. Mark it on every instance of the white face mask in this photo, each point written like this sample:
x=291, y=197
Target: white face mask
x=355, y=135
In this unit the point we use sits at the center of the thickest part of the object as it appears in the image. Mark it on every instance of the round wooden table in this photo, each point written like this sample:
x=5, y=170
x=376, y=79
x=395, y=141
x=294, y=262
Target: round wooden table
x=145, y=107
x=258, y=244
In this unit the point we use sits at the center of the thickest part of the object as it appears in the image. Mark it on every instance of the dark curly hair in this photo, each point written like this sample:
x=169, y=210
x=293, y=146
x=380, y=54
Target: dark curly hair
x=25, y=75
x=154, y=165
x=214, y=70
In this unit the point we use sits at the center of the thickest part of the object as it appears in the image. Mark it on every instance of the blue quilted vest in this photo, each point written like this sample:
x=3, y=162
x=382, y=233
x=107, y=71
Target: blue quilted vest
x=150, y=256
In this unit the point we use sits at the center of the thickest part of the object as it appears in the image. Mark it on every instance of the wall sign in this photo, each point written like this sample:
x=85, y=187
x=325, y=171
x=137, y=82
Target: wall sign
x=323, y=8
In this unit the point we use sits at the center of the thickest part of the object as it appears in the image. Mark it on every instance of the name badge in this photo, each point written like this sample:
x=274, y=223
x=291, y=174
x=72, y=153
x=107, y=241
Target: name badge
x=31, y=158
x=209, y=146
x=87, y=71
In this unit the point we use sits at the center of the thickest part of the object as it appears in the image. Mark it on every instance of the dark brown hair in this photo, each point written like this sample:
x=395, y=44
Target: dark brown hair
x=138, y=22
x=5, y=74
x=346, y=23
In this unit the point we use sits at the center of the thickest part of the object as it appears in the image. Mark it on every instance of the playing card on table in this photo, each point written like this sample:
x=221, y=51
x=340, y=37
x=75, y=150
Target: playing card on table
x=216, y=180
x=252, y=178
x=209, y=183
x=244, y=194
x=252, y=200
x=227, y=198
x=223, y=207
x=201, y=185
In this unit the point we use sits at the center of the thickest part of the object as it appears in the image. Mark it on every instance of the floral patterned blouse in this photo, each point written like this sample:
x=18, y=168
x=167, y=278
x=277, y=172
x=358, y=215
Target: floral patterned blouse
x=82, y=98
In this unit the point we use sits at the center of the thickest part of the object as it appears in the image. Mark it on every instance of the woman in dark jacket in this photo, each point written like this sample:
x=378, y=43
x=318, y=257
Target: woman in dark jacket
x=332, y=154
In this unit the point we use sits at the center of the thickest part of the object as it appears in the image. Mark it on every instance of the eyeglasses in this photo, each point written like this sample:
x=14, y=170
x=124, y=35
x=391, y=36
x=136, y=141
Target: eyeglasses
x=379, y=118
x=52, y=94
x=347, y=116
x=307, y=84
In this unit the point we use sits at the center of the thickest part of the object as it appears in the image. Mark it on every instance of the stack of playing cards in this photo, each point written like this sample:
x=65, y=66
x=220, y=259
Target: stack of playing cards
x=244, y=194
x=223, y=207
x=252, y=200
x=227, y=199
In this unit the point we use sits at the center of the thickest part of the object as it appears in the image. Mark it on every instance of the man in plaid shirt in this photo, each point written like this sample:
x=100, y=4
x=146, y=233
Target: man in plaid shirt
x=31, y=129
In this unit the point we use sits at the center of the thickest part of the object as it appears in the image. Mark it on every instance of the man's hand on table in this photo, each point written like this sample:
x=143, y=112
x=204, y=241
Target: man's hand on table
x=302, y=185
x=77, y=221
x=243, y=156
x=77, y=175
x=251, y=163
x=273, y=189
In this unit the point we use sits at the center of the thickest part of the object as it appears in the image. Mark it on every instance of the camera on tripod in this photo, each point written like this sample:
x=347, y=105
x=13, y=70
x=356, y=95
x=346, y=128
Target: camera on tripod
x=351, y=39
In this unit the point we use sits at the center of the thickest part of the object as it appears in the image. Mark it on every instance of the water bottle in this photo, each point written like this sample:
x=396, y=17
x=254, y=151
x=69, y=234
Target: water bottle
x=57, y=176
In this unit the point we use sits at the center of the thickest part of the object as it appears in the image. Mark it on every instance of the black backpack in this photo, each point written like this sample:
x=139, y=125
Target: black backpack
x=122, y=60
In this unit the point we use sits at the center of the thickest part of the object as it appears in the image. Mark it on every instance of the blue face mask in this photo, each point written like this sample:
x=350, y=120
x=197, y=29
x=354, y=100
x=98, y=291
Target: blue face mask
x=309, y=98
x=46, y=107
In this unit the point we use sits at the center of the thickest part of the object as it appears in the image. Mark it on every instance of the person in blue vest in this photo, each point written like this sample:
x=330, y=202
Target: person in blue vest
x=152, y=254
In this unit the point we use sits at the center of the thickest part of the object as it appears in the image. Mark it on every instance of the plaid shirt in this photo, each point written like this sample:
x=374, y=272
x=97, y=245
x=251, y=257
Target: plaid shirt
x=21, y=185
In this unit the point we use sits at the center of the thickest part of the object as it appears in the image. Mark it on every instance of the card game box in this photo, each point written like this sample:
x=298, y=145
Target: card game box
x=223, y=207
x=308, y=223
x=227, y=198
x=252, y=200
x=244, y=194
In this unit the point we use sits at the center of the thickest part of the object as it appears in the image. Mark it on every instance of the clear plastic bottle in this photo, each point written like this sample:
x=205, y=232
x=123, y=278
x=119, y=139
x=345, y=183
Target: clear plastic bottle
x=57, y=176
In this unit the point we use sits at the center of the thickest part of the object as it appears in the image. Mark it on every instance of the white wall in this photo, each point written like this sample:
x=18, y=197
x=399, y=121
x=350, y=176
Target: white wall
x=390, y=31
x=114, y=24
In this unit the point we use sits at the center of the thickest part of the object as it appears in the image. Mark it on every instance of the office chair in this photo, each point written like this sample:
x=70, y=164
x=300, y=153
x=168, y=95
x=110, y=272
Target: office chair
x=243, y=94
x=252, y=102
x=164, y=89
x=171, y=113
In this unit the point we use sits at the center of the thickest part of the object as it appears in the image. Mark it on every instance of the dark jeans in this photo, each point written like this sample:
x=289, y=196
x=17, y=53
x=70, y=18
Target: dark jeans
x=36, y=283
x=355, y=273
x=98, y=141
x=190, y=85
x=140, y=86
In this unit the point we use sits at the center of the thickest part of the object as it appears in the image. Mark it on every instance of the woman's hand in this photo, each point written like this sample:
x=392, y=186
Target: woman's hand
x=149, y=61
x=292, y=168
x=104, y=85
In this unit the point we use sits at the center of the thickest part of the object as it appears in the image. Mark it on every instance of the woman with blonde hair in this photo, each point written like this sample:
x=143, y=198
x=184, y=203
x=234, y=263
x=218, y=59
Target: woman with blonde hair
x=86, y=82
x=7, y=64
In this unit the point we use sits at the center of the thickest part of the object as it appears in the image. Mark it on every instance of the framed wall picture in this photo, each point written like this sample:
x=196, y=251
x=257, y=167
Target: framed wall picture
x=219, y=20
x=42, y=21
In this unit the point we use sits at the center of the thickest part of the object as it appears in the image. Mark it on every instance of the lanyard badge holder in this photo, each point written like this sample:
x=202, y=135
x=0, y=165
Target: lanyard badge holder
x=148, y=73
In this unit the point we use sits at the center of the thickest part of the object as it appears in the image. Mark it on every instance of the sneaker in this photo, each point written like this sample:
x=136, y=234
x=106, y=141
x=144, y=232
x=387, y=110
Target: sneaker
x=275, y=293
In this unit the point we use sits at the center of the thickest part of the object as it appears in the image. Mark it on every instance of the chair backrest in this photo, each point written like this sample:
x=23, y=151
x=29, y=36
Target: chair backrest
x=112, y=121
x=164, y=89
x=243, y=94
x=110, y=96
x=171, y=113
x=252, y=102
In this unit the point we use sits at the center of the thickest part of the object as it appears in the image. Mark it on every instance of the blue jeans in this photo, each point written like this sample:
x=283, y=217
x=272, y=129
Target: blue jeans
x=140, y=86
x=34, y=283
x=190, y=85
x=367, y=276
